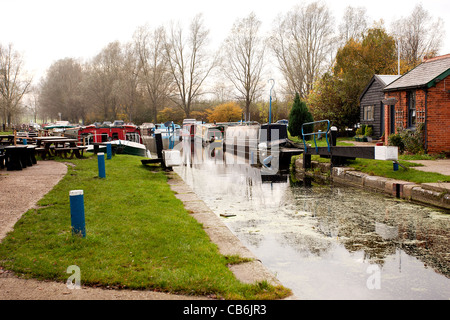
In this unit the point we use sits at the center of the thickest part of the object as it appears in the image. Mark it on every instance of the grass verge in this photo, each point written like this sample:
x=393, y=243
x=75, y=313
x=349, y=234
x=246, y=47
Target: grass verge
x=385, y=169
x=139, y=236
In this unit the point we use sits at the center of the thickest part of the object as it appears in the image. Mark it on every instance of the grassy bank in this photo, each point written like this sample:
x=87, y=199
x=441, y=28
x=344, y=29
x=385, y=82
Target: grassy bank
x=139, y=236
x=385, y=169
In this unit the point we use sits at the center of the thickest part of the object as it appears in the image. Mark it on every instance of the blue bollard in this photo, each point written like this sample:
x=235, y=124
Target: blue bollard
x=101, y=164
x=395, y=166
x=108, y=151
x=77, y=212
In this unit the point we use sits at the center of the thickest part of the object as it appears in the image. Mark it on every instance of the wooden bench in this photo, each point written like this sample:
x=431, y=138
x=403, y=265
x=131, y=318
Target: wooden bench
x=39, y=150
x=82, y=148
x=77, y=151
x=64, y=152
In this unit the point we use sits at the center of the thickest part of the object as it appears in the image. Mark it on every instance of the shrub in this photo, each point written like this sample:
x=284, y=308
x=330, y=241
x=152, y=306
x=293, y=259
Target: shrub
x=408, y=140
x=298, y=116
x=396, y=140
x=359, y=131
x=368, y=131
x=363, y=129
x=413, y=140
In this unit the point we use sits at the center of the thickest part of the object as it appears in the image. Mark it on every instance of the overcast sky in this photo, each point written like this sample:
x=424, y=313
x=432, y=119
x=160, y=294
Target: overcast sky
x=45, y=31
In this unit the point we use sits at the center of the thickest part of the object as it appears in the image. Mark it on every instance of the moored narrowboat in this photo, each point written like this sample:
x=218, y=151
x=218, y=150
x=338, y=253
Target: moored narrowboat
x=126, y=138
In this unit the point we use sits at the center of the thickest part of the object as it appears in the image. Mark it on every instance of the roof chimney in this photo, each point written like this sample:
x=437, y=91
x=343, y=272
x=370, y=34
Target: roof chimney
x=429, y=59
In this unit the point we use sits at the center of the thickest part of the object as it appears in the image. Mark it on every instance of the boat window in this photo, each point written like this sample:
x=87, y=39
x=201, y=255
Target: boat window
x=132, y=136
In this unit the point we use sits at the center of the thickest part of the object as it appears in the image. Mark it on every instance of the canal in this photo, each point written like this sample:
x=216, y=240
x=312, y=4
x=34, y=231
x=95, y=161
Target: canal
x=328, y=242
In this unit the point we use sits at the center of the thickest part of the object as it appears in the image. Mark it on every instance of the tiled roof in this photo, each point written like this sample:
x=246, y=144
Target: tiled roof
x=421, y=75
x=382, y=79
x=387, y=79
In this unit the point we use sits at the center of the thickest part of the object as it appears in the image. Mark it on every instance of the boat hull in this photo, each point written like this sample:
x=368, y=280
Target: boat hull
x=125, y=147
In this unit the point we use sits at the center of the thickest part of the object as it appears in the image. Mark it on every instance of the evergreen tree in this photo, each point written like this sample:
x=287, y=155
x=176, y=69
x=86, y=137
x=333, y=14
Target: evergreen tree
x=298, y=116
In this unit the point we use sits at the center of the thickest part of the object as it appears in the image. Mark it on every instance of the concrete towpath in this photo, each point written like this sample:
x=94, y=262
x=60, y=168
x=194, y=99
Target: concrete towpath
x=441, y=166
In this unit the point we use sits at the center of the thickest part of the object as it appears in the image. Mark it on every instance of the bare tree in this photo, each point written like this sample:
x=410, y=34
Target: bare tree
x=128, y=82
x=302, y=42
x=104, y=74
x=13, y=83
x=154, y=71
x=221, y=92
x=353, y=25
x=188, y=61
x=60, y=91
x=419, y=34
x=244, y=59
x=32, y=102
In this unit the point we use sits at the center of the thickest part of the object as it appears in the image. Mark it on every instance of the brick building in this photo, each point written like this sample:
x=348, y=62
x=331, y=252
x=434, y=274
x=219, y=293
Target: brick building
x=421, y=96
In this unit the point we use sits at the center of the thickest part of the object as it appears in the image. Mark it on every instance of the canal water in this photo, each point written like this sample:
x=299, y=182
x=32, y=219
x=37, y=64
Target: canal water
x=328, y=242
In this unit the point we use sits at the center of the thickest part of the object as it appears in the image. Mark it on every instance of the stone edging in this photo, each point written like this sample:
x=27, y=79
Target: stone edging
x=433, y=195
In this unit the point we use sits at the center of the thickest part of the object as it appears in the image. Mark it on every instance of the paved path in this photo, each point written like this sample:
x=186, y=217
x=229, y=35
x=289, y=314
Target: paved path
x=21, y=190
x=440, y=166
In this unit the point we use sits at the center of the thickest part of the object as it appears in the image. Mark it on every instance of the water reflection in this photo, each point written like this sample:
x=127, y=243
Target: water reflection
x=329, y=242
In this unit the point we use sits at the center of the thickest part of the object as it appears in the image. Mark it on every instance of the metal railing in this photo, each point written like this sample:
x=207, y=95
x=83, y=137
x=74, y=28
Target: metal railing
x=318, y=133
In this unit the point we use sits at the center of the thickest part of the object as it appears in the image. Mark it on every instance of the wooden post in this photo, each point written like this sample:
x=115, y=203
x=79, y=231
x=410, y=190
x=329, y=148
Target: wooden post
x=333, y=131
x=306, y=161
x=159, y=148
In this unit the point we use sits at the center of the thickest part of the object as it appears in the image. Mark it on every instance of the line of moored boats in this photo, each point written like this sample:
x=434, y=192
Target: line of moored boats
x=130, y=138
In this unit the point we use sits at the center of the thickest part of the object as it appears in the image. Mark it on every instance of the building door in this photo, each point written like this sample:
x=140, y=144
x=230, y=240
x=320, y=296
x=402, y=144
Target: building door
x=392, y=119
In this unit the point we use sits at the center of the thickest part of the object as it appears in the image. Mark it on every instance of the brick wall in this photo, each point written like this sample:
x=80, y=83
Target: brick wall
x=438, y=114
x=438, y=117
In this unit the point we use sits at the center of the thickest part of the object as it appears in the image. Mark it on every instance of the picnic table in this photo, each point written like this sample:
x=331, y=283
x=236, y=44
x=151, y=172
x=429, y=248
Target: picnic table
x=38, y=140
x=7, y=140
x=59, y=146
x=17, y=157
x=2, y=156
